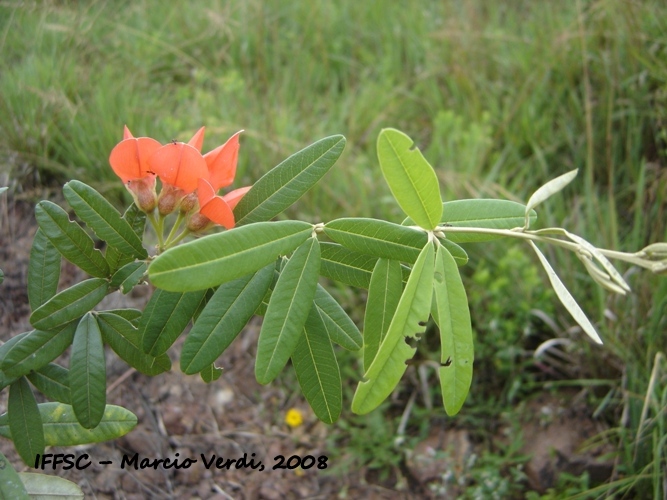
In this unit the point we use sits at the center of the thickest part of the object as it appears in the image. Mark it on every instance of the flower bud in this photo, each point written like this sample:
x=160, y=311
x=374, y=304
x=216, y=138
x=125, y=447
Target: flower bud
x=143, y=192
x=198, y=223
x=189, y=202
x=169, y=200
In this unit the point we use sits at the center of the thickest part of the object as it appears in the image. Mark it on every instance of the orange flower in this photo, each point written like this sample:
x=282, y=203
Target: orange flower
x=218, y=209
x=221, y=162
x=129, y=160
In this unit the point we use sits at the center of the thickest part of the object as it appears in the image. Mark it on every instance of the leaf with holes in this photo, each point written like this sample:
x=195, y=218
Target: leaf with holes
x=409, y=321
x=453, y=319
x=411, y=178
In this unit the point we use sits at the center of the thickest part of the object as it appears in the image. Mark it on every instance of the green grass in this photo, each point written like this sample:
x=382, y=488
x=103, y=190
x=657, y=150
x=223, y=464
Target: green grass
x=499, y=96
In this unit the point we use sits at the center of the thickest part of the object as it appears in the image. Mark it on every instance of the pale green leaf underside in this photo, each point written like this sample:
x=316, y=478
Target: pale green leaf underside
x=11, y=485
x=453, y=317
x=61, y=427
x=549, y=189
x=384, y=294
x=317, y=370
x=281, y=186
x=566, y=297
x=409, y=321
x=410, y=177
x=42, y=487
x=481, y=213
x=218, y=258
x=346, y=266
x=288, y=310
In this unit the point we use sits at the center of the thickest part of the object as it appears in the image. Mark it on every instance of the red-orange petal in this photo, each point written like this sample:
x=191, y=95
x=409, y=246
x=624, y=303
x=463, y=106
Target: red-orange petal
x=126, y=133
x=205, y=192
x=233, y=197
x=180, y=165
x=129, y=158
x=219, y=212
x=222, y=162
x=197, y=140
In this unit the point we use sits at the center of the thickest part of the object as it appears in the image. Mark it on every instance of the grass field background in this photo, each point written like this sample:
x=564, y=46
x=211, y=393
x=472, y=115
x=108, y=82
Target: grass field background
x=500, y=97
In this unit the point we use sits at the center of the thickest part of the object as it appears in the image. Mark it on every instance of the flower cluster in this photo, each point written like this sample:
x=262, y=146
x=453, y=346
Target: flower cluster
x=190, y=180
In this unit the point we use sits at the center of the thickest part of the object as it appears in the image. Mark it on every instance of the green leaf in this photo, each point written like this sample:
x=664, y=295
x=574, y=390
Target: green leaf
x=218, y=258
x=61, y=427
x=378, y=238
x=288, y=309
x=70, y=239
x=137, y=220
x=37, y=349
x=52, y=381
x=6, y=380
x=566, y=297
x=165, y=317
x=338, y=325
x=128, y=276
x=124, y=339
x=384, y=294
x=482, y=213
x=346, y=266
x=2, y=276
x=453, y=319
x=132, y=315
x=87, y=373
x=210, y=374
x=284, y=184
x=409, y=321
x=11, y=486
x=43, y=270
x=45, y=487
x=105, y=221
x=25, y=422
x=410, y=177
x=223, y=318
x=548, y=190
x=70, y=304
x=317, y=370
x=459, y=254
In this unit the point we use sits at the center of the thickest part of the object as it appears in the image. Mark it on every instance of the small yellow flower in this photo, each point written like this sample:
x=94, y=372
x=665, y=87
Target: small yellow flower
x=293, y=418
